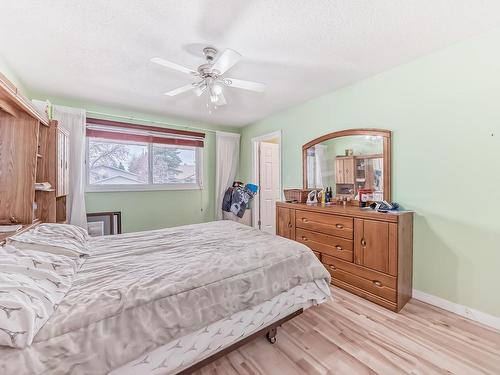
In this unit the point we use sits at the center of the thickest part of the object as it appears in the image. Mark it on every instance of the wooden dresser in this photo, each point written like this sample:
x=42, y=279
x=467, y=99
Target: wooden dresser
x=367, y=253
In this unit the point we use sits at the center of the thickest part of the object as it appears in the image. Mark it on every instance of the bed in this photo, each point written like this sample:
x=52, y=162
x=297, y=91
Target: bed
x=165, y=301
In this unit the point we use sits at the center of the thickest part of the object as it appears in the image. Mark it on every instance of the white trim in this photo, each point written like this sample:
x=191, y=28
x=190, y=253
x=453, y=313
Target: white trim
x=140, y=187
x=466, y=312
x=255, y=162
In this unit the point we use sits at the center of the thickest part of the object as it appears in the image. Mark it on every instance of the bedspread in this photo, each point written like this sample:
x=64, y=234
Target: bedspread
x=141, y=290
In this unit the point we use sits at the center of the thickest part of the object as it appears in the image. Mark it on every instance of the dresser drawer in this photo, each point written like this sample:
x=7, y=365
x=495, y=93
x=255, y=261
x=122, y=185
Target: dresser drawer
x=371, y=281
x=366, y=295
x=326, y=244
x=329, y=224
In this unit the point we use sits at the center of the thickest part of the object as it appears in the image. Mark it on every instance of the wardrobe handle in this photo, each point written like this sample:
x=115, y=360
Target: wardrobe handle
x=289, y=225
x=340, y=226
x=339, y=248
x=377, y=283
x=363, y=242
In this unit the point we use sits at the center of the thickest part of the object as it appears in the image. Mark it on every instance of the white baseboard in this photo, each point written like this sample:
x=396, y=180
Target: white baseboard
x=467, y=312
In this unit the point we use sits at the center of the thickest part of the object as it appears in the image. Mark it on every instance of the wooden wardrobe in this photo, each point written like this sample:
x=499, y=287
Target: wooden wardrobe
x=366, y=252
x=32, y=150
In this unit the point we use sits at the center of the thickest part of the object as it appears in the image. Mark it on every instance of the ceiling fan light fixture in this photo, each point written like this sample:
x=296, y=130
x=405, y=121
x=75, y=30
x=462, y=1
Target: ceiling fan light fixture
x=217, y=89
x=211, y=76
x=199, y=90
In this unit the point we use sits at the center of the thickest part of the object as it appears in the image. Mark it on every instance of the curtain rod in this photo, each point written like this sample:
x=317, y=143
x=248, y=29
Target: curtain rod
x=150, y=121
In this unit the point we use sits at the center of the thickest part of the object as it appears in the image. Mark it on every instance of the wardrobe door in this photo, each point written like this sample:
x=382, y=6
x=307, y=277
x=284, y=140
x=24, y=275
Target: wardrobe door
x=339, y=171
x=349, y=171
x=375, y=245
x=66, y=165
x=59, y=153
x=62, y=162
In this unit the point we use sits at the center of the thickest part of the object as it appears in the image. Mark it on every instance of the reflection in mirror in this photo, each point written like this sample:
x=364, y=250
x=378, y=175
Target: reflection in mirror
x=347, y=164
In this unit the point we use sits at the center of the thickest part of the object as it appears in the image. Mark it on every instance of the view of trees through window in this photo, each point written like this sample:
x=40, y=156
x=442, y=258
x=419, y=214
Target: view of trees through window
x=119, y=163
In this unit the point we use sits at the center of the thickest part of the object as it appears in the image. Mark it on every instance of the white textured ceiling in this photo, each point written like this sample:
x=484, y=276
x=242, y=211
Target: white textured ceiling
x=99, y=51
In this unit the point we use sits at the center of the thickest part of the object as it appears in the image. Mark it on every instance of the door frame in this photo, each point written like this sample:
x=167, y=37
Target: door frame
x=256, y=166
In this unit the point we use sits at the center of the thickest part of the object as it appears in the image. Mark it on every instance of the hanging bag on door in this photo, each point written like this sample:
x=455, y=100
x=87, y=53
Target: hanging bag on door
x=240, y=197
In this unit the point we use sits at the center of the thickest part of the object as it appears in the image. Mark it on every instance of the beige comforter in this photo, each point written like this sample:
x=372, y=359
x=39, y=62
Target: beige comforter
x=141, y=290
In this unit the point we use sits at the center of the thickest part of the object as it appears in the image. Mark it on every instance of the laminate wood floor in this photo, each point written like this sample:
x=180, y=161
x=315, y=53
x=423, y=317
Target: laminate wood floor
x=352, y=336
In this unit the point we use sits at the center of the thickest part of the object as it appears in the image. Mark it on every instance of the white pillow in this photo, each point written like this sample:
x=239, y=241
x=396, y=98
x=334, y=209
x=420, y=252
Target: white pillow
x=32, y=284
x=62, y=239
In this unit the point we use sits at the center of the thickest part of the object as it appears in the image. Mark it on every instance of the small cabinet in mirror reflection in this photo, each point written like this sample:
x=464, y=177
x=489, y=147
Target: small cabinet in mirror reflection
x=350, y=162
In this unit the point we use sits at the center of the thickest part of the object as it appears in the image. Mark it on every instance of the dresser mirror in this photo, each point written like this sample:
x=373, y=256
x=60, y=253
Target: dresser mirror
x=349, y=161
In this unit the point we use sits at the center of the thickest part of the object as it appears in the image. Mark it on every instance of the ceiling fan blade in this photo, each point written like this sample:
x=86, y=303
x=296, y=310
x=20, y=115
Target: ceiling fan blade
x=221, y=100
x=180, y=90
x=226, y=61
x=245, y=85
x=171, y=65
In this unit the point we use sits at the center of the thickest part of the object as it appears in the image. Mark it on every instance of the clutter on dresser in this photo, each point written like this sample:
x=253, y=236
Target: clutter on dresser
x=312, y=197
x=296, y=195
x=385, y=206
x=365, y=195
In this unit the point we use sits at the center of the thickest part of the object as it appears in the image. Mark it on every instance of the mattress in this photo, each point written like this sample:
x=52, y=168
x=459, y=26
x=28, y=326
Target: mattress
x=186, y=351
x=139, y=291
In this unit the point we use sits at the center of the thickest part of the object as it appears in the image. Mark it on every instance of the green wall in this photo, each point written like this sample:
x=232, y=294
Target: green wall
x=444, y=110
x=154, y=209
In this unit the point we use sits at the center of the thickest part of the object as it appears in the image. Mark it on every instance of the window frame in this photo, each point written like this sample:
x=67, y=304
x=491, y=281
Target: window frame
x=149, y=186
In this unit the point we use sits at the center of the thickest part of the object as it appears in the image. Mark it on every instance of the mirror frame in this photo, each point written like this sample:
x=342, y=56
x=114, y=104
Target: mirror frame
x=387, y=137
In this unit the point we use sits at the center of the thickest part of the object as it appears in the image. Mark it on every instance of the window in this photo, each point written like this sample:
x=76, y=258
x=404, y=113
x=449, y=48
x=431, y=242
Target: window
x=142, y=159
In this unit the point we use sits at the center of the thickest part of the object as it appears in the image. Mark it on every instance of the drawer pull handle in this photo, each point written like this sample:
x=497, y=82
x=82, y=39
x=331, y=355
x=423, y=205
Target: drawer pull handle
x=289, y=225
x=339, y=248
x=304, y=220
x=363, y=242
x=340, y=226
x=377, y=283
x=332, y=267
x=304, y=238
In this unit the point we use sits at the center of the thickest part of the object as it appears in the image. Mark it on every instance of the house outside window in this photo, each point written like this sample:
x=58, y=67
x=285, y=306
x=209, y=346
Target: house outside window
x=138, y=159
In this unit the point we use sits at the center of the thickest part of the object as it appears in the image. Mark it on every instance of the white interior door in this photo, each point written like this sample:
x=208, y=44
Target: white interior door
x=269, y=176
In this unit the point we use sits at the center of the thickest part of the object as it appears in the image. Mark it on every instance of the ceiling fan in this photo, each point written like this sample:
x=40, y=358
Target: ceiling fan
x=209, y=77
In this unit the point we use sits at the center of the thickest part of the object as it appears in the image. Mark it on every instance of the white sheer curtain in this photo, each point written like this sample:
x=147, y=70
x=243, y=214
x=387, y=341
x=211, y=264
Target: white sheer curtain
x=226, y=164
x=74, y=119
x=320, y=167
